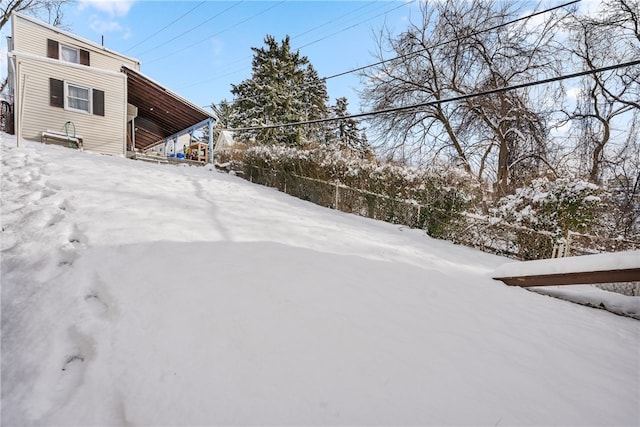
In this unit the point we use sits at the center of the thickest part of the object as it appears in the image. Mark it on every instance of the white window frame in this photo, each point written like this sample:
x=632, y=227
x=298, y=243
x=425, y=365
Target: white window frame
x=66, y=98
x=63, y=46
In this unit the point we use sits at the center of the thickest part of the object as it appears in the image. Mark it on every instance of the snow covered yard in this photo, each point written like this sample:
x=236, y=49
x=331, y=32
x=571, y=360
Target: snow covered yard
x=144, y=294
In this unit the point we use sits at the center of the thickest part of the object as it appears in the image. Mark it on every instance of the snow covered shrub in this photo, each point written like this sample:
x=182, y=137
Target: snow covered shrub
x=268, y=165
x=230, y=158
x=432, y=199
x=553, y=208
x=556, y=206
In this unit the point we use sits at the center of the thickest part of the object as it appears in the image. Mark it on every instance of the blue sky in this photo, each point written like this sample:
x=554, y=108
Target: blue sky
x=198, y=49
x=208, y=48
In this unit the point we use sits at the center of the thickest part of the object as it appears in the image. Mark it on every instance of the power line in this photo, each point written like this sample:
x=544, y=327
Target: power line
x=495, y=27
x=219, y=32
x=167, y=26
x=513, y=21
x=332, y=21
x=447, y=100
x=192, y=28
x=357, y=24
x=235, y=71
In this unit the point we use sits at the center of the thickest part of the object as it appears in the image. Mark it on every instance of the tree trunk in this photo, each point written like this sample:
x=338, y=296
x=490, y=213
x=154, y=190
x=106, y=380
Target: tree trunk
x=503, y=168
x=596, y=169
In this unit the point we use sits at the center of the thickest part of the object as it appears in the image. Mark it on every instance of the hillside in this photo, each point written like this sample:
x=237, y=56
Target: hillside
x=145, y=294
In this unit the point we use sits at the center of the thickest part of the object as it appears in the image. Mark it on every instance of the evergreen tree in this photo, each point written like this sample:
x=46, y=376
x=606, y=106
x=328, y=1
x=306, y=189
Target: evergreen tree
x=283, y=88
x=346, y=133
x=314, y=91
x=223, y=113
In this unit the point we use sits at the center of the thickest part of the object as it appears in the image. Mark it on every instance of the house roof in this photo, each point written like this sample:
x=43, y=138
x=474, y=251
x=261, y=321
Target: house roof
x=161, y=113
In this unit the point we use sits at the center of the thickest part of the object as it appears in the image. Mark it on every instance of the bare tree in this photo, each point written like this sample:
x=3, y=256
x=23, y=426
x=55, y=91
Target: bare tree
x=605, y=98
x=418, y=75
x=50, y=10
x=462, y=48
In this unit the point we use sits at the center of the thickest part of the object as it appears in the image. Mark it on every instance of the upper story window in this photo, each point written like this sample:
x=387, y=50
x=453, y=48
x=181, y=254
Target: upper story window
x=69, y=54
x=56, y=50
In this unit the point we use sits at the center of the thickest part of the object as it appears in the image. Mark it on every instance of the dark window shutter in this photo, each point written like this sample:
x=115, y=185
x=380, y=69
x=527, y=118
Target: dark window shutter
x=98, y=102
x=52, y=49
x=84, y=57
x=56, y=93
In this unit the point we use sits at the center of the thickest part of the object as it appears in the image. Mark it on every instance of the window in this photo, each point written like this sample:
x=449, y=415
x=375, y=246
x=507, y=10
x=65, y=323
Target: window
x=66, y=53
x=77, y=98
x=69, y=54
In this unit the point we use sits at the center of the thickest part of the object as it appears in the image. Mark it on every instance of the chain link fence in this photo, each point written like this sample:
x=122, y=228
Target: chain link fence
x=488, y=234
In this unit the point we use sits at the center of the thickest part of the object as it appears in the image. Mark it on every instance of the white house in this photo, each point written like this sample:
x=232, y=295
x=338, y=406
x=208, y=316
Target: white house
x=60, y=82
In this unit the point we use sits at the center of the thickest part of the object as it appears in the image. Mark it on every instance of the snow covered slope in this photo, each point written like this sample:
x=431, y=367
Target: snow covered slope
x=144, y=294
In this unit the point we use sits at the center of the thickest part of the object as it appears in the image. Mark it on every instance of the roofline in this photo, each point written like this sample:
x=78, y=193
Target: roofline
x=73, y=36
x=94, y=70
x=173, y=94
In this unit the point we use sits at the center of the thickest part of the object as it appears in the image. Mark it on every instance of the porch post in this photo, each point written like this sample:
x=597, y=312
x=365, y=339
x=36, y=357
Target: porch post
x=133, y=134
x=210, y=124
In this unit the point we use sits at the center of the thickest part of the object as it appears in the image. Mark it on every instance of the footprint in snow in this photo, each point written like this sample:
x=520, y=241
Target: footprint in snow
x=65, y=206
x=77, y=238
x=76, y=358
x=99, y=301
x=67, y=257
x=96, y=304
x=81, y=350
x=55, y=219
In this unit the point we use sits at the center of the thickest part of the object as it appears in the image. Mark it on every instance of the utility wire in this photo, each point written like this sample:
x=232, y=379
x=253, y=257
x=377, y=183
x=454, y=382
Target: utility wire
x=243, y=68
x=167, y=26
x=332, y=21
x=447, y=100
x=495, y=27
x=513, y=21
x=355, y=25
x=219, y=32
x=191, y=29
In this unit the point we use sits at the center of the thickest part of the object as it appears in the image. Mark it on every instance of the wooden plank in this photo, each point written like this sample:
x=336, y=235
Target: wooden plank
x=578, y=278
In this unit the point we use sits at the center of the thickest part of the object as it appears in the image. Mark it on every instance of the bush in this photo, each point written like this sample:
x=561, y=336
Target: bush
x=555, y=207
x=389, y=192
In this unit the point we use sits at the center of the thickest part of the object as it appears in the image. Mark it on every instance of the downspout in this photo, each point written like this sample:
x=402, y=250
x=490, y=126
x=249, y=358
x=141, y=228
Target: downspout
x=16, y=127
x=22, y=94
x=126, y=114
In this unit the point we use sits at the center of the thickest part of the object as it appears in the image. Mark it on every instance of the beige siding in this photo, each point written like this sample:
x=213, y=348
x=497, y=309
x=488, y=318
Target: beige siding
x=101, y=134
x=31, y=37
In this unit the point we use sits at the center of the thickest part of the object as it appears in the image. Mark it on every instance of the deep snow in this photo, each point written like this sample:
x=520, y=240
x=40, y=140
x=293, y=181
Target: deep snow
x=144, y=294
